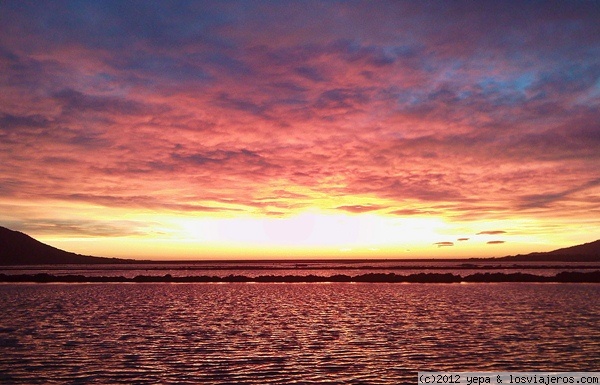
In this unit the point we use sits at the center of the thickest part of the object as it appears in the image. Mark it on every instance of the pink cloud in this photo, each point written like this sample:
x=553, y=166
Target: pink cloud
x=434, y=115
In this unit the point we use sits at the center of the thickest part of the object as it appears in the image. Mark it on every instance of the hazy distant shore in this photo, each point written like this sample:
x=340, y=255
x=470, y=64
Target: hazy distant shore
x=566, y=276
x=331, y=264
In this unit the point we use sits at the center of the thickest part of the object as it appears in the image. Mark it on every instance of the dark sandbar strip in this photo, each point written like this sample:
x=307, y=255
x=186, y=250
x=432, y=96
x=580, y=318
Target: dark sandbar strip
x=566, y=276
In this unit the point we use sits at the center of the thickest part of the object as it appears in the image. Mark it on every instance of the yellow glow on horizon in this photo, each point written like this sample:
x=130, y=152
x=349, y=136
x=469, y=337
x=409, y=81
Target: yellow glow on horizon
x=317, y=233
x=309, y=234
x=313, y=229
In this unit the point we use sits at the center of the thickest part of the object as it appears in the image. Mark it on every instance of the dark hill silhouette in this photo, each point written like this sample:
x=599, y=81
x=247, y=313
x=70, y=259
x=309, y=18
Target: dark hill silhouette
x=588, y=252
x=17, y=248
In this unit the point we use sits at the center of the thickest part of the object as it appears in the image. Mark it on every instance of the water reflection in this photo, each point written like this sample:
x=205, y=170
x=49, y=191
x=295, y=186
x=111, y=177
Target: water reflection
x=286, y=333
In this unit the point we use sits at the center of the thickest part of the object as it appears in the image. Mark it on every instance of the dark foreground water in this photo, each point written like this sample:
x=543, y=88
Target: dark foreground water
x=291, y=333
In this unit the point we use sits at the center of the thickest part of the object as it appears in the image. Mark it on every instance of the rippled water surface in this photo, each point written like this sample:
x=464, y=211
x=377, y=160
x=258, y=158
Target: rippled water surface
x=291, y=333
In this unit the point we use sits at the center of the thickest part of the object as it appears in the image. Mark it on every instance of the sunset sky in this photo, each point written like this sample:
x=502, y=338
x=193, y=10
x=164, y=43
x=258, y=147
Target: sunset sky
x=259, y=129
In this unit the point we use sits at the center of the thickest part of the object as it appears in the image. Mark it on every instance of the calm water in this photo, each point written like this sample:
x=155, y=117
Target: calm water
x=291, y=333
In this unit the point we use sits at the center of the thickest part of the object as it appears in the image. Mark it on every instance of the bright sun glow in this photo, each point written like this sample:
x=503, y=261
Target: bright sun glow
x=307, y=234
x=314, y=230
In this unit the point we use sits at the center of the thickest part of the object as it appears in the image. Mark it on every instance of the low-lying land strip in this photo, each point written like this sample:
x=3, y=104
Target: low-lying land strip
x=566, y=276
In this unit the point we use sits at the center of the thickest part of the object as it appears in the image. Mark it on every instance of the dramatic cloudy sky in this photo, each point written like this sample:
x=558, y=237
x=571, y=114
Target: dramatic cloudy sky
x=230, y=129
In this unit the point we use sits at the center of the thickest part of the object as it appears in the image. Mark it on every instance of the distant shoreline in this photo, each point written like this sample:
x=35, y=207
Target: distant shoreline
x=502, y=262
x=312, y=265
x=562, y=277
x=19, y=249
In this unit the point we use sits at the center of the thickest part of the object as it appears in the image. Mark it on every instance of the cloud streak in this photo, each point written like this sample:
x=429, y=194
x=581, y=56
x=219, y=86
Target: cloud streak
x=360, y=208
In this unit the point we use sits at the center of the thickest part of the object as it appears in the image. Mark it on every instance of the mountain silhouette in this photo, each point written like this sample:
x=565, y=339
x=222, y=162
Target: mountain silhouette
x=587, y=252
x=17, y=248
